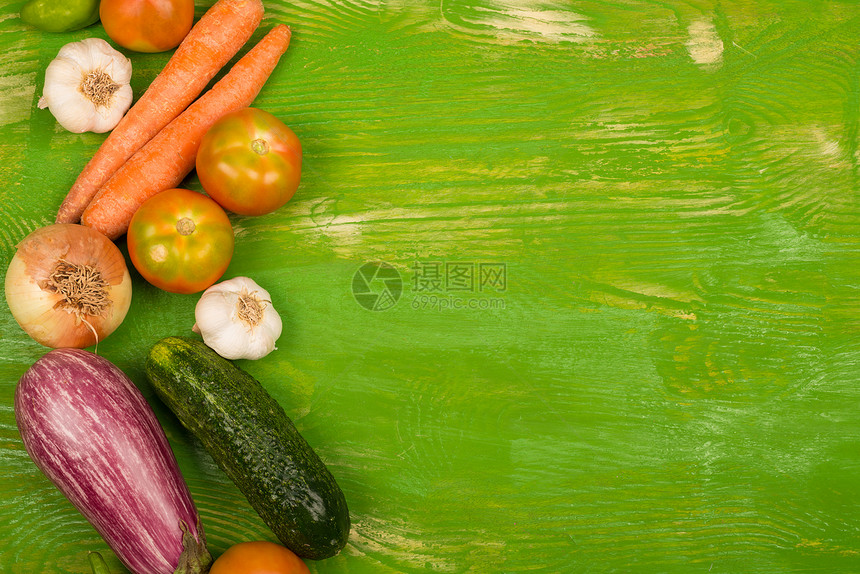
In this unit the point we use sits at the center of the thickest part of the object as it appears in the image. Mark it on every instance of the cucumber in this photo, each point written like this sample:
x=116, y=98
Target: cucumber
x=251, y=438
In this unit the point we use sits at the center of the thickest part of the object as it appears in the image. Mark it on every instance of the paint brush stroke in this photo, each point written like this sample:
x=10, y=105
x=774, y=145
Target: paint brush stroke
x=705, y=45
x=512, y=21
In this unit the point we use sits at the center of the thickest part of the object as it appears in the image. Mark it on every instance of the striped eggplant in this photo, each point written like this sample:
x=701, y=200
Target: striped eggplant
x=91, y=432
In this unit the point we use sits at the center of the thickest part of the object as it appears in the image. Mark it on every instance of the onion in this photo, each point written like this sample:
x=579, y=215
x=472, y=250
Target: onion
x=68, y=286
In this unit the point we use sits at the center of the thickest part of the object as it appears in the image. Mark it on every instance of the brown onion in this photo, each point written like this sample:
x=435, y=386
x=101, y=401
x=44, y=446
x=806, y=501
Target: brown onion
x=68, y=286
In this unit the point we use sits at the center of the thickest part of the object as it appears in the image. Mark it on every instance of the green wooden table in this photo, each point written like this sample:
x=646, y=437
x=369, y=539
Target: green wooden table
x=613, y=325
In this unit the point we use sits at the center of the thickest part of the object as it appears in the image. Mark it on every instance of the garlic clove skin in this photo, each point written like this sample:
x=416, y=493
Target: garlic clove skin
x=237, y=320
x=87, y=86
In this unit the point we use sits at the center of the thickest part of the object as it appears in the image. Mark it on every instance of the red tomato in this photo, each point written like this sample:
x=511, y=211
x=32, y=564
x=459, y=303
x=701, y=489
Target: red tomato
x=180, y=241
x=258, y=558
x=147, y=25
x=250, y=162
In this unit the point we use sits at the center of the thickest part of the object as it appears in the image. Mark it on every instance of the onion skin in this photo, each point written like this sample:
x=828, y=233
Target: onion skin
x=34, y=307
x=91, y=432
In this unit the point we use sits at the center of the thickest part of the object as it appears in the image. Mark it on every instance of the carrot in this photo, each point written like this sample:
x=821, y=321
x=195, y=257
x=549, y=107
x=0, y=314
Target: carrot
x=168, y=157
x=210, y=44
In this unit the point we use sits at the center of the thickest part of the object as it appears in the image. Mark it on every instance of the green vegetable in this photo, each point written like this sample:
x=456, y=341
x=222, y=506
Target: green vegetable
x=60, y=15
x=251, y=438
x=98, y=564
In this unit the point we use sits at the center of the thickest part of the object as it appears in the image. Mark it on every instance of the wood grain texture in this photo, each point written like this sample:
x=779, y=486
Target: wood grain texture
x=668, y=382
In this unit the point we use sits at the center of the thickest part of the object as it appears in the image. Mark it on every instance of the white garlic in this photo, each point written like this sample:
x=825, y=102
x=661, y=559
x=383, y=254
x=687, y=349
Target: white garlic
x=237, y=320
x=87, y=86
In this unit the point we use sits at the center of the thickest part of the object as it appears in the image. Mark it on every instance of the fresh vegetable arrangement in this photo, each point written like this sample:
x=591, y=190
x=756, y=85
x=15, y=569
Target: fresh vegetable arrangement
x=81, y=419
x=165, y=160
x=210, y=44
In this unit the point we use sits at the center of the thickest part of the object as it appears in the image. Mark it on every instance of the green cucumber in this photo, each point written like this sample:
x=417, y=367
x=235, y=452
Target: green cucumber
x=251, y=438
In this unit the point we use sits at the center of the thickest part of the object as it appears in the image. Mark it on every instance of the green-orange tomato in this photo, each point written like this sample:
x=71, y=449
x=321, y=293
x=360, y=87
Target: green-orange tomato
x=258, y=558
x=147, y=25
x=180, y=241
x=250, y=162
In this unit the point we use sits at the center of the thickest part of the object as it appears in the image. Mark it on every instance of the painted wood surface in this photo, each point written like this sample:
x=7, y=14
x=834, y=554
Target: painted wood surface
x=625, y=232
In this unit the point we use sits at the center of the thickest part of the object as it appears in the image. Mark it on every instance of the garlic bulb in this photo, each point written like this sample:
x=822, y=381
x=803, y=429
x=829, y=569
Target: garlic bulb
x=237, y=320
x=87, y=86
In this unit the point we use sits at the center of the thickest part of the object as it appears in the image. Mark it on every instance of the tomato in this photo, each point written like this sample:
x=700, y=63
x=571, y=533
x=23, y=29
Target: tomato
x=258, y=558
x=180, y=241
x=147, y=25
x=250, y=162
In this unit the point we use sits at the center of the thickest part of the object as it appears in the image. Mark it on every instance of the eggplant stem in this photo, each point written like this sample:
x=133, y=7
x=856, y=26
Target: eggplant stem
x=195, y=558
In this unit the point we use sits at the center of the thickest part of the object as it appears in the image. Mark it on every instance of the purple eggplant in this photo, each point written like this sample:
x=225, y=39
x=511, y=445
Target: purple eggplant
x=91, y=432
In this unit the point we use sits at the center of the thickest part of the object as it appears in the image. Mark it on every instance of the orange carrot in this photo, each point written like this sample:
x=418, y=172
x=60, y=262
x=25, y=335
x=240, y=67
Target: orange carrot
x=168, y=157
x=210, y=44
